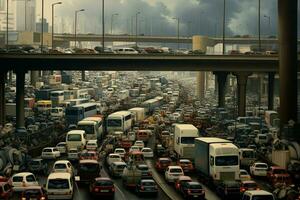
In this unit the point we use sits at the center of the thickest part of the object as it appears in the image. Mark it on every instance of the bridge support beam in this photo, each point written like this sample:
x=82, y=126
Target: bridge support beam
x=200, y=85
x=3, y=76
x=20, y=76
x=221, y=81
x=82, y=75
x=33, y=77
x=271, y=76
x=287, y=36
x=242, y=78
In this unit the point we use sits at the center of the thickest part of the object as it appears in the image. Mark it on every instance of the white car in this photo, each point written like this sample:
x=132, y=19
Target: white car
x=139, y=143
x=50, y=153
x=92, y=145
x=244, y=175
x=172, y=173
x=120, y=151
x=259, y=169
x=22, y=181
x=113, y=157
x=257, y=194
x=63, y=166
x=134, y=148
x=73, y=154
x=147, y=152
x=62, y=147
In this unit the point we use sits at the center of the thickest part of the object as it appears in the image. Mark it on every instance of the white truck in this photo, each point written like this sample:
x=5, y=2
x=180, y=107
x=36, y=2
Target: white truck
x=184, y=140
x=270, y=116
x=139, y=113
x=216, y=160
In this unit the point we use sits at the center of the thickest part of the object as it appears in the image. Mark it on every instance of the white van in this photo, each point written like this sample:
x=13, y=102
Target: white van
x=60, y=185
x=57, y=112
x=76, y=139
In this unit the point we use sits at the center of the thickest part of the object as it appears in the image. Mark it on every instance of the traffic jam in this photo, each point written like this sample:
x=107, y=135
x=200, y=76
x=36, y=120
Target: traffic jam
x=124, y=135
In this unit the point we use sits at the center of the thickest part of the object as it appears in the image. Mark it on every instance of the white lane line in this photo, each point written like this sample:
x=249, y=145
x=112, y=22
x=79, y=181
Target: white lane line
x=122, y=194
x=76, y=186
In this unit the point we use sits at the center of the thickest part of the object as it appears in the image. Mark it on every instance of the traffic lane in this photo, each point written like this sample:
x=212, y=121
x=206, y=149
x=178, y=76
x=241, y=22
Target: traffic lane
x=130, y=194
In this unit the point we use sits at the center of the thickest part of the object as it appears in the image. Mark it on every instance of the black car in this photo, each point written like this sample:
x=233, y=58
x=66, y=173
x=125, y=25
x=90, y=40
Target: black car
x=192, y=190
x=229, y=189
x=147, y=186
x=38, y=166
x=146, y=173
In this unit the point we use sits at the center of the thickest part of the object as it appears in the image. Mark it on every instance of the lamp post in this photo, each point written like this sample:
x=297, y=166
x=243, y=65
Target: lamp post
x=7, y=25
x=269, y=21
x=57, y=3
x=42, y=29
x=75, y=27
x=224, y=24
x=103, y=26
x=136, y=28
x=259, y=40
x=111, y=22
x=177, y=18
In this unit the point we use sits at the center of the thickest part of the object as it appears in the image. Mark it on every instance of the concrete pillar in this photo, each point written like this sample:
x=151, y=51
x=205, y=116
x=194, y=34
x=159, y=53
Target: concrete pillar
x=221, y=78
x=287, y=36
x=241, y=86
x=83, y=75
x=33, y=77
x=200, y=85
x=10, y=75
x=20, y=76
x=271, y=76
x=2, y=97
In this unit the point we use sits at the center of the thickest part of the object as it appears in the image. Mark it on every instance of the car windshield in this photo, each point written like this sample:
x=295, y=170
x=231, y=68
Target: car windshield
x=73, y=151
x=89, y=129
x=74, y=137
x=121, y=166
x=195, y=186
x=250, y=185
x=33, y=192
x=164, y=161
x=114, y=156
x=47, y=150
x=185, y=162
x=104, y=183
x=227, y=160
x=148, y=183
x=60, y=166
x=17, y=179
x=175, y=171
x=187, y=140
x=146, y=150
x=142, y=167
x=243, y=172
x=58, y=184
x=261, y=166
x=262, y=197
x=114, y=122
x=88, y=167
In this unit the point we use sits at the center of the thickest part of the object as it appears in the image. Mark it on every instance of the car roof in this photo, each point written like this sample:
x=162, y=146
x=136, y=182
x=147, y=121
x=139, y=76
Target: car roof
x=248, y=181
x=103, y=179
x=258, y=192
x=184, y=178
x=184, y=160
x=33, y=188
x=23, y=174
x=194, y=183
x=175, y=167
x=119, y=163
x=88, y=161
x=147, y=180
x=164, y=158
x=61, y=161
x=58, y=175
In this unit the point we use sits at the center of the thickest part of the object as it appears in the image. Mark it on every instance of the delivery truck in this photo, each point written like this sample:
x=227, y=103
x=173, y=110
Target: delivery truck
x=216, y=160
x=139, y=114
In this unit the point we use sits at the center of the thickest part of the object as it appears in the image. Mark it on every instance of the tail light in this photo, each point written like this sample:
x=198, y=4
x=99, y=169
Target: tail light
x=242, y=189
x=113, y=189
x=23, y=198
x=96, y=190
x=142, y=187
x=189, y=191
x=177, y=185
x=42, y=198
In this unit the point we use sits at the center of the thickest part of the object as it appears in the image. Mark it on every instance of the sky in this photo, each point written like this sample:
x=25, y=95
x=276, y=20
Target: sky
x=156, y=17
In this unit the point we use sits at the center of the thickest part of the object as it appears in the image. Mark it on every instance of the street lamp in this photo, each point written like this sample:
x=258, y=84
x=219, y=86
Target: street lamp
x=42, y=29
x=103, y=26
x=269, y=20
x=224, y=24
x=57, y=3
x=136, y=28
x=259, y=40
x=7, y=25
x=75, y=27
x=111, y=22
x=177, y=18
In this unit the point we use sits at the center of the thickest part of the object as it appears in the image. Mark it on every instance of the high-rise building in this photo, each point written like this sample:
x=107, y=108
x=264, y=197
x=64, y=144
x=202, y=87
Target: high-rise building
x=39, y=26
x=21, y=15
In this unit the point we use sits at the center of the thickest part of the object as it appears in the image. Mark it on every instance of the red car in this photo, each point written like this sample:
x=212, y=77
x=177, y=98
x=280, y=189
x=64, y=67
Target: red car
x=181, y=180
x=88, y=155
x=186, y=165
x=34, y=192
x=278, y=175
x=102, y=186
x=162, y=164
x=5, y=188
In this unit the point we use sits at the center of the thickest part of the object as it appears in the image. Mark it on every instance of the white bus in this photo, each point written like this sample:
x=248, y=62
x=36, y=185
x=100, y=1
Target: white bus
x=76, y=113
x=92, y=126
x=57, y=97
x=119, y=121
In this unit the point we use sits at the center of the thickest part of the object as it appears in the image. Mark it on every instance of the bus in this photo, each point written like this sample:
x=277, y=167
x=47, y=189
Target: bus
x=92, y=127
x=44, y=106
x=119, y=121
x=75, y=102
x=78, y=112
x=57, y=97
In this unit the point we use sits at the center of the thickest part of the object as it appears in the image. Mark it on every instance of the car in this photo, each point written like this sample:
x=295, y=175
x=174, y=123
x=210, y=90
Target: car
x=102, y=186
x=92, y=145
x=186, y=165
x=134, y=148
x=146, y=186
x=50, y=153
x=172, y=173
x=85, y=154
x=192, y=189
x=121, y=152
x=6, y=190
x=160, y=150
x=259, y=169
x=228, y=189
x=146, y=173
x=277, y=174
x=87, y=170
x=38, y=165
x=73, y=154
x=34, y=192
x=248, y=185
x=63, y=166
x=139, y=143
x=181, y=180
x=116, y=168
x=147, y=152
x=113, y=157
x=21, y=181
x=162, y=164
x=244, y=175
x=62, y=147
x=257, y=194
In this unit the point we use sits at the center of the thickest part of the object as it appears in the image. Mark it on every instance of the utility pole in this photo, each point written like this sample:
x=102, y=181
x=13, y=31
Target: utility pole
x=224, y=25
x=103, y=31
x=136, y=28
x=259, y=40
